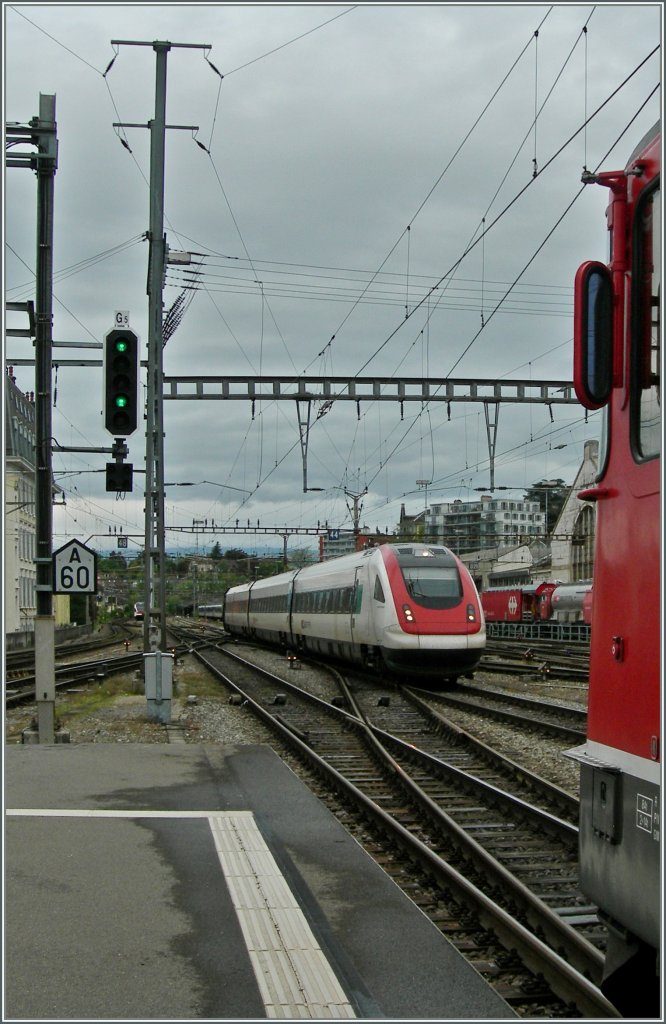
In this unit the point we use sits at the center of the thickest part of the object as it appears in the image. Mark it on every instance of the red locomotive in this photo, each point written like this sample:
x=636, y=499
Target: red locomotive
x=617, y=338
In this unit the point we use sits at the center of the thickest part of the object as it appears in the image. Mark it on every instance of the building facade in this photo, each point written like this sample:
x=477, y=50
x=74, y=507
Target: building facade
x=20, y=522
x=466, y=526
x=572, y=541
x=336, y=543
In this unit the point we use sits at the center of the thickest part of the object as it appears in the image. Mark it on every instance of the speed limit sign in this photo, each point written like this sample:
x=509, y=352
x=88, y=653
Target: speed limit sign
x=74, y=569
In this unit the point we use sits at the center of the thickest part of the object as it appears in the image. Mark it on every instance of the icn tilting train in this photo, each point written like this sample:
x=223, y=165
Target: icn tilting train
x=617, y=358
x=402, y=608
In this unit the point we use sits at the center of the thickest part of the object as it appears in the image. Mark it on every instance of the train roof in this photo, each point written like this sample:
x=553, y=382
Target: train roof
x=648, y=139
x=341, y=562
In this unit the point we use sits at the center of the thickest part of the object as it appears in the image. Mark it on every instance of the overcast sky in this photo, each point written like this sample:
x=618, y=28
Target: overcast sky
x=347, y=159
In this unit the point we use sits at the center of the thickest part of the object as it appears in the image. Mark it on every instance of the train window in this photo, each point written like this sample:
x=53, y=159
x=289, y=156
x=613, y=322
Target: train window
x=433, y=586
x=379, y=592
x=646, y=327
x=593, y=335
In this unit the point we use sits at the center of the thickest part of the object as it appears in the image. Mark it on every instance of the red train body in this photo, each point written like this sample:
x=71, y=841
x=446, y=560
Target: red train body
x=617, y=334
x=538, y=602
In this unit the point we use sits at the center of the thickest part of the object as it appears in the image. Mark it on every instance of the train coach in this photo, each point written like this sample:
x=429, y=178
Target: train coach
x=535, y=603
x=529, y=603
x=409, y=608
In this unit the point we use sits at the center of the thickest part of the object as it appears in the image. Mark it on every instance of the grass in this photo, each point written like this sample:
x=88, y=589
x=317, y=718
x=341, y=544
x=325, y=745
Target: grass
x=75, y=707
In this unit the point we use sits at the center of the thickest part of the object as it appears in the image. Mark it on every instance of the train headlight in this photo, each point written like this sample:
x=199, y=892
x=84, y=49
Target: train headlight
x=409, y=614
x=471, y=613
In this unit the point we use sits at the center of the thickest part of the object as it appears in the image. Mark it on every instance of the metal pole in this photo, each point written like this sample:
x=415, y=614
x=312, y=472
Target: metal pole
x=44, y=619
x=154, y=555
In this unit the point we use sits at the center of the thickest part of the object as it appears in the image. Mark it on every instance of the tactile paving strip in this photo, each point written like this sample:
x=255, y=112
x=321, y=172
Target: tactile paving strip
x=294, y=977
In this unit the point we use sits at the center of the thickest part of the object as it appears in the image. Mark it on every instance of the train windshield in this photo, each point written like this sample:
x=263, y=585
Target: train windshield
x=433, y=586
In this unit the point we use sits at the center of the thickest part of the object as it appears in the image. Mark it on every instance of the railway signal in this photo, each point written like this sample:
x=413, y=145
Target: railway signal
x=119, y=476
x=121, y=382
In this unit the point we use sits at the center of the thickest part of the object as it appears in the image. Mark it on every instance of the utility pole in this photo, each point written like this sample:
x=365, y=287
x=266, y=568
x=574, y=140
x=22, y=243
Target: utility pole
x=154, y=635
x=42, y=133
x=356, y=512
x=425, y=484
x=154, y=623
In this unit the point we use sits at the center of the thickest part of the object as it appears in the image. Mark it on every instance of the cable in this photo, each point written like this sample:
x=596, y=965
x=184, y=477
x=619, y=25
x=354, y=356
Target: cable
x=515, y=199
x=290, y=42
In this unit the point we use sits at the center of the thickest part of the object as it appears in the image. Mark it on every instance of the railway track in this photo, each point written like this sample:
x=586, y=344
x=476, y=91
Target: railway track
x=539, y=940
x=543, y=658
x=408, y=715
x=526, y=713
x=22, y=691
x=17, y=662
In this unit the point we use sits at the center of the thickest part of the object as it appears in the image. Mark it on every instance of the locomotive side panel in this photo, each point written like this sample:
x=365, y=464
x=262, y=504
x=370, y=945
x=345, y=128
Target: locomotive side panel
x=503, y=605
x=617, y=368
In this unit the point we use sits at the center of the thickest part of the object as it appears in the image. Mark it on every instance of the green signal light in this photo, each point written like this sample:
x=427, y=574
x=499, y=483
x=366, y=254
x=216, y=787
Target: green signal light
x=121, y=346
x=120, y=401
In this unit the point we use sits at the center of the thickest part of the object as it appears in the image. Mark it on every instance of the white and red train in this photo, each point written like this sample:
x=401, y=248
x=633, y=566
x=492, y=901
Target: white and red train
x=617, y=360
x=402, y=608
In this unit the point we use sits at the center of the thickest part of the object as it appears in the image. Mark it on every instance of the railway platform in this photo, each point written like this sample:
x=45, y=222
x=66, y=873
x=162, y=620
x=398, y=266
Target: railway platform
x=179, y=882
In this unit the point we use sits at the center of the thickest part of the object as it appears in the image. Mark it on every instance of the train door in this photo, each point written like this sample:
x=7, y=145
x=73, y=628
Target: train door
x=362, y=632
x=357, y=605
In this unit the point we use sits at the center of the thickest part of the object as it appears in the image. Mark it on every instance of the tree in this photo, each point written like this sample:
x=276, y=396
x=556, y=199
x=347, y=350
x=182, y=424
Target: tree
x=112, y=564
x=551, y=496
x=235, y=554
x=216, y=551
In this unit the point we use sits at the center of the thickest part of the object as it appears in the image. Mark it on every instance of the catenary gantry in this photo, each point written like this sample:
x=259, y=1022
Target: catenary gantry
x=304, y=390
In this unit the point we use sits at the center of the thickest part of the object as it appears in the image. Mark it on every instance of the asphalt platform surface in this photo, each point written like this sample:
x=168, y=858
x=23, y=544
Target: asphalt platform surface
x=181, y=882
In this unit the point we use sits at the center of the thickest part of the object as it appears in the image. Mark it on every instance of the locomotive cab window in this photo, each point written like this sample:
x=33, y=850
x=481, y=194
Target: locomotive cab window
x=646, y=327
x=379, y=592
x=433, y=586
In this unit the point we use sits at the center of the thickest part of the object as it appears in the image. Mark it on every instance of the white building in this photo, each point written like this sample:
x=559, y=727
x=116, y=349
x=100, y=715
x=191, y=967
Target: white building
x=566, y=557
x=572, y=541
x=466, y=526
x=20, y=522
